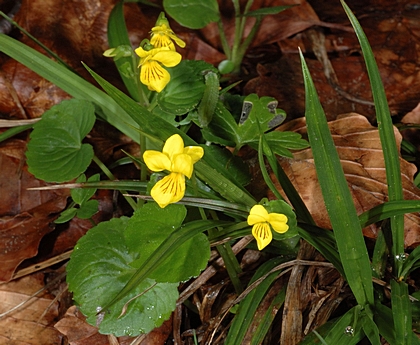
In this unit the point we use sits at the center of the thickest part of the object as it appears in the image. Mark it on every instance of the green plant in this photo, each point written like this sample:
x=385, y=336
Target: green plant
x=125, y=272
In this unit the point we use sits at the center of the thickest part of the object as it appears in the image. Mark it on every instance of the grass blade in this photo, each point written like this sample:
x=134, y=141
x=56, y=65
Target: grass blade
x=71, y=83
x=118, y=35
x=337, y=197
x=387, y=137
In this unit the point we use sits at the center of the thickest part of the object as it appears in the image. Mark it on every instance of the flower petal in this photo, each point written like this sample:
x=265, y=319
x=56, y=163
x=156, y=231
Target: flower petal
x=183, y=164
x=154, y=76
x=160, y=40
x=174, y=145
x=257, y=214
x=156, y=161
x=278, y=222
x=263, y=235
x=195, y=152
x=142, y=53
x=167, y=57
x=169, y=190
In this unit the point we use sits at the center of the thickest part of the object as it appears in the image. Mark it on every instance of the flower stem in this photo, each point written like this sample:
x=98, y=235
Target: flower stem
x=109, y=174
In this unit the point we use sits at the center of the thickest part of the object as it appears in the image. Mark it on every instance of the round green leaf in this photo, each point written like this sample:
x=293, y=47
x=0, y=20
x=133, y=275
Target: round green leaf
x=150, y=226
x=193, y=14
x=185, y=89
x=98, y=270
x=55, y=152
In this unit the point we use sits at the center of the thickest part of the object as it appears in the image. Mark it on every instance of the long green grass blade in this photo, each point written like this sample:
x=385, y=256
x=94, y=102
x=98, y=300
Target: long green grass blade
x=387, y=137
x=401, y=312
x=242, y=320
x=117, y=36
x=388, y=210
x=337, y=197
x=70, y=83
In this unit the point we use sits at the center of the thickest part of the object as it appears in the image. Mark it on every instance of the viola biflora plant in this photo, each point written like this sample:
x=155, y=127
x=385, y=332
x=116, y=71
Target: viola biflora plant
x=126, y=273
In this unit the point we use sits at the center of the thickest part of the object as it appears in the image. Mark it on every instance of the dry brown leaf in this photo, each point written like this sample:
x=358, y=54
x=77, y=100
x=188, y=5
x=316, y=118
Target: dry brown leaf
x=78, y=332
x=360, y=151
x=25, y=216
x=32, y=324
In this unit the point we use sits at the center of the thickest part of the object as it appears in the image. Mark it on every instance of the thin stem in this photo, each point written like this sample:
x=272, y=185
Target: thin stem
x=238, y=34
x=245, y=44
x=109, y=174
x=225, y=250
x=225, y=45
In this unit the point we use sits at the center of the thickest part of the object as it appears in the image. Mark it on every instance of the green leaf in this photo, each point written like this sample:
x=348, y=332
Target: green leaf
x=388, y=141
x=258, y=116
x=401, y=311
x=66, y=215
x=117, y=36
x=267, y=11
x=337, y=197
x=385, y=323
x=236, y=169
x=209, y=100
x=387, y=210
x=343, y=330
x=193, y=14
x=370, y=329
x=282, y=142
x=80, y=195
x=186, y=88
x=99, y=268
x=88, y=209
x=242, y=320
x=161, y=254
x=55, y=152
x=150, y=226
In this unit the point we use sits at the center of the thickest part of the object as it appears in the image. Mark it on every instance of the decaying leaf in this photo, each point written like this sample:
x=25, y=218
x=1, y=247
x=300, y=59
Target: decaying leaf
x=25, y=216
x=360, y=151
x=32, y=324
x=79, y=332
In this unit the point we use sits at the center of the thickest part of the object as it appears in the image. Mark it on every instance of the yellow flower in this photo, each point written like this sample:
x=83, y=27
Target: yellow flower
x=163, y=36
x=262, y=222
x=179, y=161
x=152, y=73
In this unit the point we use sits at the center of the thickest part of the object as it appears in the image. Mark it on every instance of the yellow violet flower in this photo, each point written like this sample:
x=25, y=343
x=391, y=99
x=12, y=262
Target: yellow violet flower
x=179, y=161
x=163, y=36
x=152, y=73
x=262, y=222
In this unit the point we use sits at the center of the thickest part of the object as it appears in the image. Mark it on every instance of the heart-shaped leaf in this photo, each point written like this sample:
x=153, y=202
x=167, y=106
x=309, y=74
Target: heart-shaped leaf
x=98, y=270
x=55, y=152
x=150, y=226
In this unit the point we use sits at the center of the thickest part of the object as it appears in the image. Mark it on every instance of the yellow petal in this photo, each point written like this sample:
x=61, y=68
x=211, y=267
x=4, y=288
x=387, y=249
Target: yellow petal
x=195, y=152
x=169, y=190
x=278, y=222
x=263, y=235
x=159, y=40
x=156, y=161
x=167, y=57
x=141, y=52
x=182, y=164
x=154, y=76
x=177, y=40
x=174, y=145
x=258, y=214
